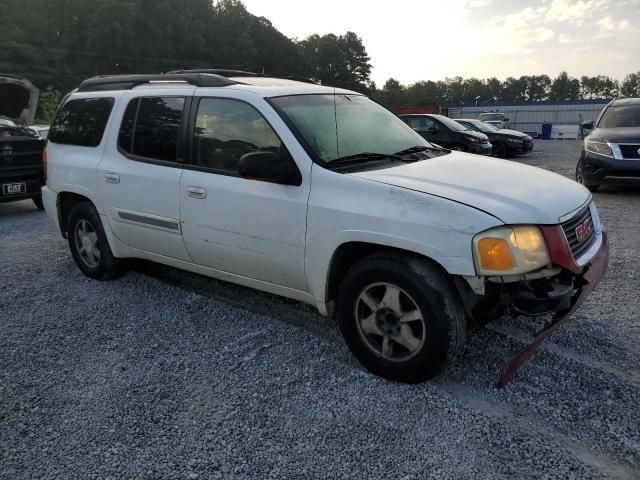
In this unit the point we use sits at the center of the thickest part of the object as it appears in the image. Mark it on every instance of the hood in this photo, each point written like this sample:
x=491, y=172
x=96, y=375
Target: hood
x=473, y=133
x=18, y=99
x=616, y=135
x=509, y=191
x=512, y=133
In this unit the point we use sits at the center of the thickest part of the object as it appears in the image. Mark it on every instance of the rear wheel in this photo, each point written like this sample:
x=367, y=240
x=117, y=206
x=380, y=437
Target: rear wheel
x=88, y=244
x=37, y=200
x=580, y=177
x=401, y=317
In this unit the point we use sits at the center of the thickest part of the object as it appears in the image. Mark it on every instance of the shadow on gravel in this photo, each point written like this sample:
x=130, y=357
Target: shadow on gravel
x=11, y=210
x=292, y=311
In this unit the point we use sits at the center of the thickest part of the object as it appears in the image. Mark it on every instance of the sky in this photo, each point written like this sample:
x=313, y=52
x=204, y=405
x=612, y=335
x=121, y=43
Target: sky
x=413, y=40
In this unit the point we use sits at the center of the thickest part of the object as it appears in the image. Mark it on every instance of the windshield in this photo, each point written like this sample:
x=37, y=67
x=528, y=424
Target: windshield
x=485, y=127
x=450, y=124
x=490, y=117
x=622, y=116
x=341, y=125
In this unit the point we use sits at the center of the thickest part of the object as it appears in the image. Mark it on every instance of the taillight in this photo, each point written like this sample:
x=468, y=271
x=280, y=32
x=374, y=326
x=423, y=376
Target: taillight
x=44, y=163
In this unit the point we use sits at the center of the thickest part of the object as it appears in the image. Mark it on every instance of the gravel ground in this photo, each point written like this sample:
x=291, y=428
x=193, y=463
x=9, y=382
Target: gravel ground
x=165, y=374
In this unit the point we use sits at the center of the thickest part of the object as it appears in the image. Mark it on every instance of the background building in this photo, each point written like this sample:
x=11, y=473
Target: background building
x=529, y=116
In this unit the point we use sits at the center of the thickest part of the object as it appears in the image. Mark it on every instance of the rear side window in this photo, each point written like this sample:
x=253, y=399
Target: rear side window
x=421, y=124
x=81, y=122
x=151, y=126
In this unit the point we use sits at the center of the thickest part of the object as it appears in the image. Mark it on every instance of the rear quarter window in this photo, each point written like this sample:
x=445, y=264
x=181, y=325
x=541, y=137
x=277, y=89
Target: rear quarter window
x=81, y=122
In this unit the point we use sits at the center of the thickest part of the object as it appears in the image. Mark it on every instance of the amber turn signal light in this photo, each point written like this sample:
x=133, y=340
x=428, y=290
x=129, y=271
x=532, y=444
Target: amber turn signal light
x=494, y=254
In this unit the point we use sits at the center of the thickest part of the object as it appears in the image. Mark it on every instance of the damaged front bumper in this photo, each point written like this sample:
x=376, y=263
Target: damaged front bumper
x=562, y=295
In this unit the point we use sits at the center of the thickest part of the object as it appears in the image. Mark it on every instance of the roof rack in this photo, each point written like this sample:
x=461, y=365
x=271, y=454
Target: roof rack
x=218, y=71
x=242, y=73
x=127, y=82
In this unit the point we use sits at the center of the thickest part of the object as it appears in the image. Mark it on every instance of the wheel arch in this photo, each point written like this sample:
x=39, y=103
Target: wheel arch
x=65, y=201
x=349, y=253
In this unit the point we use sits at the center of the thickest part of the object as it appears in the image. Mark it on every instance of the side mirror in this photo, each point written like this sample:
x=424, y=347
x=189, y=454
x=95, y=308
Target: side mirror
x=506, y=120
x=268, y=167
x=588, y=125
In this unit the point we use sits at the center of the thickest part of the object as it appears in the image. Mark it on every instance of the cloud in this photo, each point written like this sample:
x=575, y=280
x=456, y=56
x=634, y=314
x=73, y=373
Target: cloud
x=478, y=3
x=573, y=11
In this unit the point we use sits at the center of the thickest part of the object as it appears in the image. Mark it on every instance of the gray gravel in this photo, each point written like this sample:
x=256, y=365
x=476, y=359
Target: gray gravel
x=165, y=374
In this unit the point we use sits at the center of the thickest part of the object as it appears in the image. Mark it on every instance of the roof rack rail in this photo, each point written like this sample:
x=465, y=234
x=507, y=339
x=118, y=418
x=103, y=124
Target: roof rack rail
x=218, y=71
x=242, y=73
x=127, y=82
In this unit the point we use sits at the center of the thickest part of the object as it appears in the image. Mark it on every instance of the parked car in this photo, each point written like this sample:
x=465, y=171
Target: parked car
x=611, y=153
x=448, y=133
x=506, y=143
x=497, y=119
x=41, y=130
x=21, y=169
x=320, y=195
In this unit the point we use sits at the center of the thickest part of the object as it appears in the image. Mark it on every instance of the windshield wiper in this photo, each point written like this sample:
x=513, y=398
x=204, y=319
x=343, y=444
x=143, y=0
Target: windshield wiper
x=364, y=157
x=419, y=148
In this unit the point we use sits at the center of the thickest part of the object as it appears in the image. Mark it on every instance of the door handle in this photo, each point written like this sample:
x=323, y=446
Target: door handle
x=112, y=178
x=197, y=192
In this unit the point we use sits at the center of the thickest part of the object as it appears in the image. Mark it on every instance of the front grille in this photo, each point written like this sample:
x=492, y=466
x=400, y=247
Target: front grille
x=579, y=247
x=630, y=151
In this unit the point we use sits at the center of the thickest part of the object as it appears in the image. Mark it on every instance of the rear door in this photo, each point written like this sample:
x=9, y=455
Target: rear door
x=249, y=228
x=139, y=175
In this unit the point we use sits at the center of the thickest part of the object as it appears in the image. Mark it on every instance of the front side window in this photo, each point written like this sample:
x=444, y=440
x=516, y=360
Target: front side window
x=151, y=126
x=225, y=130
x=422, y=124
x=81, y=122
x=335, y=126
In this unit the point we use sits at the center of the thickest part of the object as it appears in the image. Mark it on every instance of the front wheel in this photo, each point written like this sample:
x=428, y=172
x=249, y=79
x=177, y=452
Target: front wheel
x=580, y=177
x=500, y=150
x=401, y=317
x=89, y=245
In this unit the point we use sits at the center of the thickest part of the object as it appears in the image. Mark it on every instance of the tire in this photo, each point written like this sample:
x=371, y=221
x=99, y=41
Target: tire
x=580, y=178
x=89, y=246
x=436, y=332
x=500, y=150
x=38, y=202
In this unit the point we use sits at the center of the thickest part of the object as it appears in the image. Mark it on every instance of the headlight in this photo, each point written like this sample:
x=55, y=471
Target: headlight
x=514, y=140
x=473, y=139
x=510, y=250
x=598, y=147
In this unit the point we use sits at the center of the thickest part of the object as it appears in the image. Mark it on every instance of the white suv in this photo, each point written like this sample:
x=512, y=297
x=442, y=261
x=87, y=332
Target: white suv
x=321, y=195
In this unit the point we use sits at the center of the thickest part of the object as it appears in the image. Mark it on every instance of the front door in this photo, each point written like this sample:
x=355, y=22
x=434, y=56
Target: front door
x=250, y=228
x=139, y=175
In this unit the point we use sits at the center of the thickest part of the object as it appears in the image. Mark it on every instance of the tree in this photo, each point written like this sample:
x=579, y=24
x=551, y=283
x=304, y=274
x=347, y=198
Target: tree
x=537, y=87
x=393, y=94
x=514, y=89
x=494, y=90
x=601, y=87
x=565, y=87
x=340, y=61
x=630, y=86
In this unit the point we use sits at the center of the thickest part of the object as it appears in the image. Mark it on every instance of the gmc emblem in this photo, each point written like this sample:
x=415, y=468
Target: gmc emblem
x=584, y=230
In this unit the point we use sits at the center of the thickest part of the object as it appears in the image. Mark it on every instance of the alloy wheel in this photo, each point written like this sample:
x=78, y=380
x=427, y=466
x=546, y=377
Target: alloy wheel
x=86, y=240
x=390, y=322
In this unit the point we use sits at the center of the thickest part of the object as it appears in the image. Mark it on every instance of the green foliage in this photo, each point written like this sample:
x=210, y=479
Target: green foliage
x=47, y=105
x=630, y=86
x=59, y=43
x=533, y=88
x=340, y=61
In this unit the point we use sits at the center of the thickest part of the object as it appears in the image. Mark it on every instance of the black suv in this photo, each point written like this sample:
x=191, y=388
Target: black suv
x=21, y=167
x=448, y=133
x=506, y=143
x=611, y=152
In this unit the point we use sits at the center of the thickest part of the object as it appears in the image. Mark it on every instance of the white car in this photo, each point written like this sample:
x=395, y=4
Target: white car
x=320, y=195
